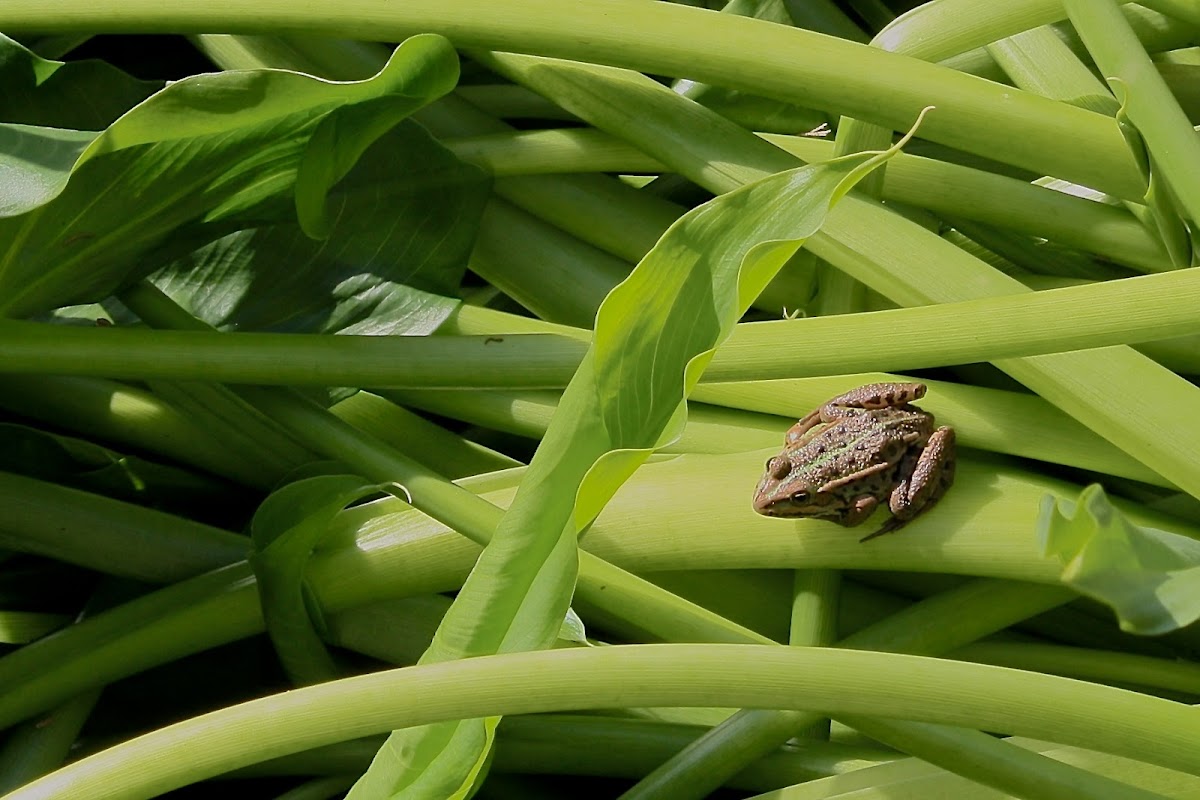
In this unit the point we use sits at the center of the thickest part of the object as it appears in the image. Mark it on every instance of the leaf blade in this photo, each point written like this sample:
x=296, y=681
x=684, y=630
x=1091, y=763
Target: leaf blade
x=649, y=333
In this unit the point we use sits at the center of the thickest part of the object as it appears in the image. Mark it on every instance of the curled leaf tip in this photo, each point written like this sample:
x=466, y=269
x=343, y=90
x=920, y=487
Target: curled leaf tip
x=1149, y=577
x=397, y=490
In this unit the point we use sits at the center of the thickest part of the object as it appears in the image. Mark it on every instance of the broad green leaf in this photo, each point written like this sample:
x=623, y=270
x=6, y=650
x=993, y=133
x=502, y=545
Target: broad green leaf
x=84, y=95
x=1149, y=577
x=35, y=164
x=285, y=531
x=655, y=333
x=404, y=226
x=210, y=149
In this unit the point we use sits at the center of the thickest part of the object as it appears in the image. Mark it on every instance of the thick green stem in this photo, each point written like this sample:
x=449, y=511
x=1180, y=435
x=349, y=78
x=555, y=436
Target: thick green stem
x=759, y=57
x=1013, y=770
x=62, y=523
x=934, y=625
x=1053, y=321
x=815, y=600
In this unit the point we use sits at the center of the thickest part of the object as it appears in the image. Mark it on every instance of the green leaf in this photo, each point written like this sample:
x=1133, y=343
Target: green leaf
x=35, y=164
x=572, y=631
x=209, y=149
x=285, y=531
x=84, y=95
x=1149, y=577
x=655, y=333
x=404, y=226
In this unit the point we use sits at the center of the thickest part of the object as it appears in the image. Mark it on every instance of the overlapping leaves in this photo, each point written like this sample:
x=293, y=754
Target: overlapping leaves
x=204, y=157
x=654, y=335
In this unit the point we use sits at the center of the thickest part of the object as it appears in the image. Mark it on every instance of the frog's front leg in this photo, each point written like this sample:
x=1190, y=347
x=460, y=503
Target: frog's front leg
x=857, y=514
x=864, y=398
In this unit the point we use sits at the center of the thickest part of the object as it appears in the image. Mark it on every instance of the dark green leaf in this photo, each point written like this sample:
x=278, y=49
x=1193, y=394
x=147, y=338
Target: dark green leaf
x=83, y=465
x=84, y=95
x=404, y=223
x=209, y=149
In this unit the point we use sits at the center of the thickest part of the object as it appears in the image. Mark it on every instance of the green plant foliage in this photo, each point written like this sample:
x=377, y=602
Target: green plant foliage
x=405, y=222
x=202, y=156
x=191, y=266
x=83, y=95
x=36, y=163
x=1149, y=577
x=655, y=332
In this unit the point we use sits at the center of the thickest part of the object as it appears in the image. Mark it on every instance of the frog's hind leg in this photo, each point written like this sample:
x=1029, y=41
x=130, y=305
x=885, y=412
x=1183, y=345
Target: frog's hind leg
x=926, y=478
x=878, y=395
x=922, y=481
x=871, y=397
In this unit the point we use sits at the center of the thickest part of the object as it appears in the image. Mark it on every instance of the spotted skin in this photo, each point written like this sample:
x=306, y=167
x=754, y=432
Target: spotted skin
x=862, y=448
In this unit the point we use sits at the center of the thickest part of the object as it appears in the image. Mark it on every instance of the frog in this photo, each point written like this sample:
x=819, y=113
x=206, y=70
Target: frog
x=860, y=449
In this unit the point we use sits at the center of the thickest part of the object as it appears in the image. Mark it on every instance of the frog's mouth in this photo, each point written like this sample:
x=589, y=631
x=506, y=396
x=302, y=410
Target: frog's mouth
x=787, y=507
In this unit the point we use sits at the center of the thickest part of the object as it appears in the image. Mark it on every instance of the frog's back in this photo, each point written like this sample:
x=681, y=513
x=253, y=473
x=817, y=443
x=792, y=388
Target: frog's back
x=849, y=446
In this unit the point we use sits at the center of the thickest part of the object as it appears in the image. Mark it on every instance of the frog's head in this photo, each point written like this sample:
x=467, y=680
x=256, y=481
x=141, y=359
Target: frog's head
x=788, y=491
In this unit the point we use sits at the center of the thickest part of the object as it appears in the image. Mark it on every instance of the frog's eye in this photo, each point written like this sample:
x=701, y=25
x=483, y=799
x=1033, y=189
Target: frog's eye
x=801, y=496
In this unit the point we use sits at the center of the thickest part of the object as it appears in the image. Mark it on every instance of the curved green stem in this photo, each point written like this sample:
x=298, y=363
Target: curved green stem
x=834, y=681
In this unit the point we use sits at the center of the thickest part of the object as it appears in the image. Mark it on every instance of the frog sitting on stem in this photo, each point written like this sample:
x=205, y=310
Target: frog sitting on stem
x=861, y=448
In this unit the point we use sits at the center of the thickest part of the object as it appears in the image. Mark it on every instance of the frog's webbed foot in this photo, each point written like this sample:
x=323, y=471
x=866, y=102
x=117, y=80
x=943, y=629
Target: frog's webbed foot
x=893, y=524
x=922, y=483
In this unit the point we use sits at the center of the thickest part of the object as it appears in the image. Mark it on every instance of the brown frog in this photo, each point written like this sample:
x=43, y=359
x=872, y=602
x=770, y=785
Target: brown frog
x=861, y=448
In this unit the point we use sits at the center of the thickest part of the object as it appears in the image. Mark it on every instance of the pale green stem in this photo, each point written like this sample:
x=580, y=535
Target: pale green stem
x=452, y=456
x=1106, y=666
x=980, y=528
x=112, y=411
x=594, y=745
x=1038, y=61
x=59, y=522
x=1149, y=104
x=934, y=625
x=1013, y=770
x=939, y=186
x=815, y=601
x=896, y=258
